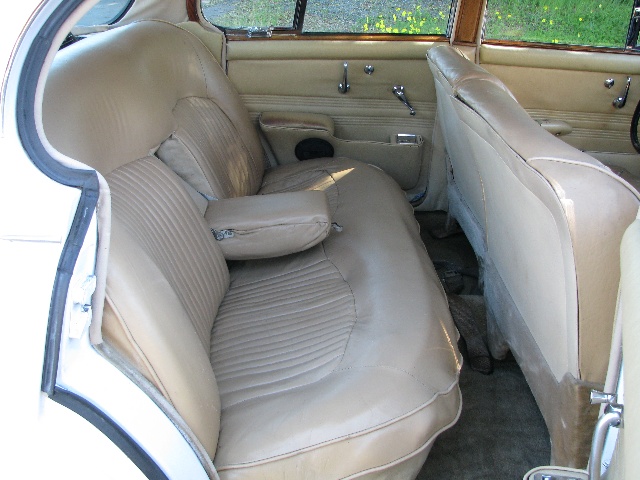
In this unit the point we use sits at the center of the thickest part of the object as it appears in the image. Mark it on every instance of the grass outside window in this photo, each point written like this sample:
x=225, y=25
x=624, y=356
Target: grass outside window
x=579, y=22
x=249, y=13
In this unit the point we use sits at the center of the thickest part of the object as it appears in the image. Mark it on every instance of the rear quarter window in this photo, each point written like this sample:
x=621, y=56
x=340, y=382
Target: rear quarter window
x=105, y=12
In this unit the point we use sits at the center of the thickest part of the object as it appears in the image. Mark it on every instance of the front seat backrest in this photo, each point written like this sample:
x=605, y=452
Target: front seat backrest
x=465, y=190
x=555, y=218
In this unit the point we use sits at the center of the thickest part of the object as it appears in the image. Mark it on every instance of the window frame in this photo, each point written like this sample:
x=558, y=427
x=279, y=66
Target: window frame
x=466, y=27
x=634, y=28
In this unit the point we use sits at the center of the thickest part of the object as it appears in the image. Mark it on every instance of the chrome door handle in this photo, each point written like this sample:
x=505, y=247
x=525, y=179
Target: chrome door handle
x=622, y=100
x=344, y=86
x=612, y=418
x=398, y=91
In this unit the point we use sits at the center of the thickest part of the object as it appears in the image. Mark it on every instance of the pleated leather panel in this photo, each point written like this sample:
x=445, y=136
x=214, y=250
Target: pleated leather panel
x=150, y=202
x=315, y=179
x=209, y=153
x=280, y=326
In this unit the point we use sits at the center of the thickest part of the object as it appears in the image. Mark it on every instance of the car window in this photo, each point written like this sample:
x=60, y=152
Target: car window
x=249, y=13
x=378, y=16
x=328, y=16
x=105, y=12
x=601, y=23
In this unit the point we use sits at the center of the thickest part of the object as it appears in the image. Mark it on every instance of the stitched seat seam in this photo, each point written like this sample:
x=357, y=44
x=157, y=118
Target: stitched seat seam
x=437, y=395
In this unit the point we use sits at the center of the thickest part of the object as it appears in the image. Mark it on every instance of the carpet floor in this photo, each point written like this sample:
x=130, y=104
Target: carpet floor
x=501, y=433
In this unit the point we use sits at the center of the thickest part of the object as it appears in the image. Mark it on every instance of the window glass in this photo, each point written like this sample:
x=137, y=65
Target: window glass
x=378, y=16
x=580, y=22
x=249, y=13
x=347, y=16
x=104, y=12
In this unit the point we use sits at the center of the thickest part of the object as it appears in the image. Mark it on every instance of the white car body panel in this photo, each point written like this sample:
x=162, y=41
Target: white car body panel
x=44, y=438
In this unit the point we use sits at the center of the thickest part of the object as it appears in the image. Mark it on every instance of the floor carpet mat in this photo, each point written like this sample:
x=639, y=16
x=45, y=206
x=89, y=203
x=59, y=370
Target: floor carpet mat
x=501, y=433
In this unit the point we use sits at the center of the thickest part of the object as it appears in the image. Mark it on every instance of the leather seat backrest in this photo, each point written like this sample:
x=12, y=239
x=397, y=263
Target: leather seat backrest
x=166, y=280
x=450, y=69
x=173, y=101
x=454, y=68
x=111, y=101
x=555, y=218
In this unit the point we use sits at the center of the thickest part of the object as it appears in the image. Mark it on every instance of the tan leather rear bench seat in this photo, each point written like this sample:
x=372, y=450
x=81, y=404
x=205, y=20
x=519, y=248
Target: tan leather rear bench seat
x=552, y=219
x=333, y=361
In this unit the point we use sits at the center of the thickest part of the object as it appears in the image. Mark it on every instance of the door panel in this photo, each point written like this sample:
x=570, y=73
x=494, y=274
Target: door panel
x=303, y=76
x=569, y=86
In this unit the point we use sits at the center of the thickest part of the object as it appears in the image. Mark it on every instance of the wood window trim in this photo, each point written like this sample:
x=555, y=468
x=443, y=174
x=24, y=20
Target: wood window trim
x=342, y=37
x=468, y=21
x=192, y=10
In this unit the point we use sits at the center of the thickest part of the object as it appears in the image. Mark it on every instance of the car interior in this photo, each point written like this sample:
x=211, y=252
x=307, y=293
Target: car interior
x=320, y=245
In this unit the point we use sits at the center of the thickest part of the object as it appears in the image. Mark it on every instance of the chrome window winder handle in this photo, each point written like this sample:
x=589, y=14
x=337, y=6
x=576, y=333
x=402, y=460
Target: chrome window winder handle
x=398, y=91
x=622, y=100
x=344, y=86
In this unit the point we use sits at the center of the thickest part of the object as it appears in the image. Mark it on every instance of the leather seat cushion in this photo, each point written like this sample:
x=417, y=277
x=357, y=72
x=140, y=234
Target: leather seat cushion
x=360, y=352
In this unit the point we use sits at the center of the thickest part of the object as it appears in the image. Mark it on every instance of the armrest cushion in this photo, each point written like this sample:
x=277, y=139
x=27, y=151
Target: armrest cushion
x=263, y=226
x=297, y=121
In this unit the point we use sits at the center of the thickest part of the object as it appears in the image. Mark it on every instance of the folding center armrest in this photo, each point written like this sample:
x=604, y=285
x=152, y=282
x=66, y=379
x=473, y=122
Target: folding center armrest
x=263, y=226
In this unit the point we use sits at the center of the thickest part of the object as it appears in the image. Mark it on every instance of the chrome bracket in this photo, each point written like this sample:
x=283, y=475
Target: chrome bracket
x=598, y=398
x=398, y=91
x=259, y=32
x=407, y=139
x=621, y=101
x=220, y=235
x=344, y=86
x=81, y=312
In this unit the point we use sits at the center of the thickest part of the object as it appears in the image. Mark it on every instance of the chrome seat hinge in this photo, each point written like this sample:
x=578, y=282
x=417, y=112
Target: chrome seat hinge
x=80, y=315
